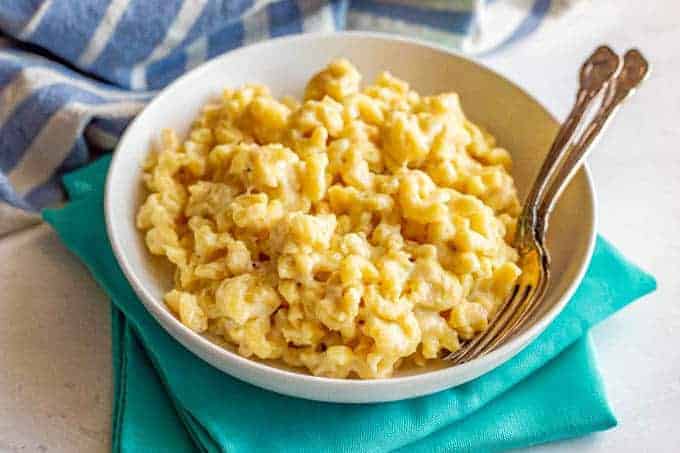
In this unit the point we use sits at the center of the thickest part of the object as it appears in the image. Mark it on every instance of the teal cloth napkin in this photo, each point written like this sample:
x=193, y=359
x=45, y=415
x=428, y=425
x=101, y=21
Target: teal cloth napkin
x=167, y=399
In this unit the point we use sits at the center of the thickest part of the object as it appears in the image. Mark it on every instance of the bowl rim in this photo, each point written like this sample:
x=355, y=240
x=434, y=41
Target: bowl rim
x=183, y=334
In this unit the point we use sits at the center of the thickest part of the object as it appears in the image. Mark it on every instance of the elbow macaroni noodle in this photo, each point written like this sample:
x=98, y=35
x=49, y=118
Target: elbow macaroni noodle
x=352, y=234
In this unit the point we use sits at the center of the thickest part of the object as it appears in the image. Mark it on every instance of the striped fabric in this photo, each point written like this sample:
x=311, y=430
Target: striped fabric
x=73, y=73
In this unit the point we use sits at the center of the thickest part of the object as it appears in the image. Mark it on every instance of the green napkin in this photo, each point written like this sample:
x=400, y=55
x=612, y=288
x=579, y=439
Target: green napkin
x=167, y=399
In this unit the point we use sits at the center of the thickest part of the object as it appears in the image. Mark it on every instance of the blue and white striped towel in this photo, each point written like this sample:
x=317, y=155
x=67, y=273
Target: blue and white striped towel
x=73, y=73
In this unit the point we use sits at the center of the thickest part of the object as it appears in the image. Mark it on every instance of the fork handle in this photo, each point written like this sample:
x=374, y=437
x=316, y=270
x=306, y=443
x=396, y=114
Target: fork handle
x=635, y=69
x=595, y=73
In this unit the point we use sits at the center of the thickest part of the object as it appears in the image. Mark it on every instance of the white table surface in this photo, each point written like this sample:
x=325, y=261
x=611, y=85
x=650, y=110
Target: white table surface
x=55, y=371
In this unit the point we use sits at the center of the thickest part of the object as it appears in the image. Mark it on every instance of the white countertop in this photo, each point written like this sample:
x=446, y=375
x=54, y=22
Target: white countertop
x=55, y=370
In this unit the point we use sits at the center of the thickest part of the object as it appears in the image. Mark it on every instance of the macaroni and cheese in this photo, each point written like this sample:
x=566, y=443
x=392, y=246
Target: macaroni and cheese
x=350, y=234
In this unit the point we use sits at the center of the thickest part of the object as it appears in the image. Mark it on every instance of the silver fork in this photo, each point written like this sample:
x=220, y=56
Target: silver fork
x=599, y=73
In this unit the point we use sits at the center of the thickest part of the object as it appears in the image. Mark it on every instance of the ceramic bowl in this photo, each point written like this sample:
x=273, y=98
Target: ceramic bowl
x=518, y=121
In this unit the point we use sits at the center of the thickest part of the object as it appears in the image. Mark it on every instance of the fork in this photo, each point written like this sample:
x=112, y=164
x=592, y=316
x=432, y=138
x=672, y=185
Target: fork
x=600, y=73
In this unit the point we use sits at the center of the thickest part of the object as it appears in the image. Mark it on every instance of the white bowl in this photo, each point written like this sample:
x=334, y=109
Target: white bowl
x=518, y=121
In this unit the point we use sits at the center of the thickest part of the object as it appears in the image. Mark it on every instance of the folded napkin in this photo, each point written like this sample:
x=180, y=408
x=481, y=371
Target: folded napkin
x=74, y=73
x=167, y=399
